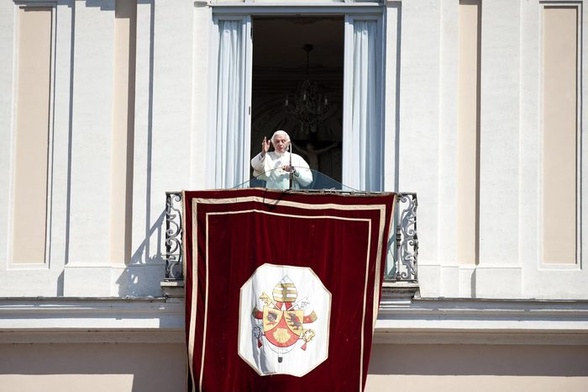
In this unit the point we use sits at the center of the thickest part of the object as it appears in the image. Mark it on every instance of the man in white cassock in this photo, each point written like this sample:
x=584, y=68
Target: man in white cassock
x=277, y=167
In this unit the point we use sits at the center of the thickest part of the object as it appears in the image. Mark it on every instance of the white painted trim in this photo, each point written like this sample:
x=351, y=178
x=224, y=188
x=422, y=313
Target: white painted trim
x=69, y=336
x=486, y=337
x=35, y=3
x=417, y=321
x=49, y=316
x=467, y=321
x=298, y=8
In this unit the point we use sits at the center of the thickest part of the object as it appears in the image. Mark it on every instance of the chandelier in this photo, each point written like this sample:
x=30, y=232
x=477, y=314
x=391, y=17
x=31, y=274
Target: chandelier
x=308, y=105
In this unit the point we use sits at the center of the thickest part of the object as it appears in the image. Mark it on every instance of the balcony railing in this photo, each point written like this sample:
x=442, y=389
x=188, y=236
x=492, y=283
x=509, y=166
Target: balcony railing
x=401, y=265
x=174, y=269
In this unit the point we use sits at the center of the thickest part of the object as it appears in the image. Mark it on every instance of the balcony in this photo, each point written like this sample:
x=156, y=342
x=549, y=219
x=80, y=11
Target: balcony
x=400, y=279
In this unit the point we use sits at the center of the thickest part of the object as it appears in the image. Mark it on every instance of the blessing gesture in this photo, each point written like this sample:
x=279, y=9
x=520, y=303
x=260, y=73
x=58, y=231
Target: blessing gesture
x=265, y=145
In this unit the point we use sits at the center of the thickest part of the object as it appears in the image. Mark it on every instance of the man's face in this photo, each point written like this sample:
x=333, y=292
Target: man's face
x=280, y=143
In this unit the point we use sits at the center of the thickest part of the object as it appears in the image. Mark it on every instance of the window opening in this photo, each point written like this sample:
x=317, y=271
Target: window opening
x=297, y=86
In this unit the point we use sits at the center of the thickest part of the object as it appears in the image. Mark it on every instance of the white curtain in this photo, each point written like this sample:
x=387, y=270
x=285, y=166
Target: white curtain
x=230, y=139
x=362, y=131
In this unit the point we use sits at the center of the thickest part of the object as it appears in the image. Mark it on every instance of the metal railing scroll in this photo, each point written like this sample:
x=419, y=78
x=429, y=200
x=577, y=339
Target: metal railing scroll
x=403, y=247
x=402, y=265
x=174, y=269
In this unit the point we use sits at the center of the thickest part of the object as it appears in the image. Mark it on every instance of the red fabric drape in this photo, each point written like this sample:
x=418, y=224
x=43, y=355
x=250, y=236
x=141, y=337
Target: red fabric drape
x=229, y=234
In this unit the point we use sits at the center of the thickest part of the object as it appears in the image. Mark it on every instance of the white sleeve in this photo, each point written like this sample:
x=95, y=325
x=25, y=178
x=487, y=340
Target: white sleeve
x=258, y=164
x=303, y=173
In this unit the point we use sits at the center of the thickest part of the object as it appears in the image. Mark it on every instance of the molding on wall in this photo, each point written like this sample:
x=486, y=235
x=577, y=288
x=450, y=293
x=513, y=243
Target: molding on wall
x=91, y=320
x=400, y=321
x=482, y=321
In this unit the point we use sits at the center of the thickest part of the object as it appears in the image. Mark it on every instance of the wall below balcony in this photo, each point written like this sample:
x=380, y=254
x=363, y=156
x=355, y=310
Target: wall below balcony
x=136, y=367
x=458, y=367
x=146, y=367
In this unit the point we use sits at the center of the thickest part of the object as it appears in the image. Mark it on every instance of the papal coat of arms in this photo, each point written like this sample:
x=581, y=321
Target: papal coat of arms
x=283, y=318
x=289, y=327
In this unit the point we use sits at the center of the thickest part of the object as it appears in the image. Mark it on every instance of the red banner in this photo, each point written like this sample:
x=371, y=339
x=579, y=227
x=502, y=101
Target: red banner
x=282, y=288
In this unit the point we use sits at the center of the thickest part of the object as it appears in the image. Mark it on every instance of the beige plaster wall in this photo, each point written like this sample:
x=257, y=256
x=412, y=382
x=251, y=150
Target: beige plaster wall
x=140, y=367
x=31, y=139
x=468, y=132
x=92, y=367
x=480, y=368
x=475, y=383
x=560, y=73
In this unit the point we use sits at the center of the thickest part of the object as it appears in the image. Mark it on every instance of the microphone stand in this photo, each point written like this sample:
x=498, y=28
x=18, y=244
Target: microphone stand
x=290, y=174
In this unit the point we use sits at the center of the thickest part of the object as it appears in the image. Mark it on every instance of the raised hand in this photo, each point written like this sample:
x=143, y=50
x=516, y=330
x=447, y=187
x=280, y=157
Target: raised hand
x=265, y=145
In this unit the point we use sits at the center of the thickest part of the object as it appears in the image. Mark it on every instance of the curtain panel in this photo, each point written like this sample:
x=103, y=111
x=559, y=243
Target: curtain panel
x=363, y=141
x=230, y=140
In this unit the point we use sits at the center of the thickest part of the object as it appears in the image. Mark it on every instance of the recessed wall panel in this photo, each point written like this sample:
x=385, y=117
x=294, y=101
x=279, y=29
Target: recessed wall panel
x=125, y=26
x=31, y=141
x=560, y=103
x=468, y=131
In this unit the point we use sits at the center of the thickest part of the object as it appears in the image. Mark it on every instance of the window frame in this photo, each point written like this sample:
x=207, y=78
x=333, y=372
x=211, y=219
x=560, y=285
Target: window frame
x=350, y=12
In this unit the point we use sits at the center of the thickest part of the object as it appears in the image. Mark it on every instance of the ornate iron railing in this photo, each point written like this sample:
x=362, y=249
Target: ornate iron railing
x=173, y=236
x=402, y=247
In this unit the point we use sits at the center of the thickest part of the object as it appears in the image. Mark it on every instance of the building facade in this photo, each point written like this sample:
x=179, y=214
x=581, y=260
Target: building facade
x=476, y=106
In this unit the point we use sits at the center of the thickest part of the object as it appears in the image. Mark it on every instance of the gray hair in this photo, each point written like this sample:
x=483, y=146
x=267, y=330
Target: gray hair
x=280, y=133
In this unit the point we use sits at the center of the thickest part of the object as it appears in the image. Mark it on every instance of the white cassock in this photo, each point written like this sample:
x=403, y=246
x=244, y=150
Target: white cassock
x=269, y=168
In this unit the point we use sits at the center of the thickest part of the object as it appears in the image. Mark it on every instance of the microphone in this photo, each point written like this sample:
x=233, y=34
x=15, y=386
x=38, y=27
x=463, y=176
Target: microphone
x=291, y=174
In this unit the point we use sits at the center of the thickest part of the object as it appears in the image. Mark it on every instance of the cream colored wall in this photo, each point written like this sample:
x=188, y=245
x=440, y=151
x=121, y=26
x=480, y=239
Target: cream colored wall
x=483, y=368
x=468, y=133
x=499, y=253
x=143, y=367
x=92, y=367
x=109, y=159
x=123, y=131
x=560, y=123
x=32, y=135
x=377, y=383
x=90, y=178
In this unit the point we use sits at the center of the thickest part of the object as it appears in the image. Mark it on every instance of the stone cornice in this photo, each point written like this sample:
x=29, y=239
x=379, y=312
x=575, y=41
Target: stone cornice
x=480, y=321
x=35, y=320
x=402, y=321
